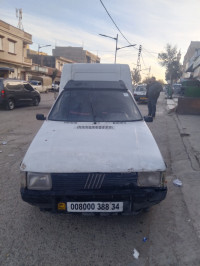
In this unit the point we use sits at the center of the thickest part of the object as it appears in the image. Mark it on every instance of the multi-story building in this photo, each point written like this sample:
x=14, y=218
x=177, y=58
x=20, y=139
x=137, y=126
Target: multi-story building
x=13, y=51
x=47, y=65
x=48, y=60
x=76, y=54
x=189, y=58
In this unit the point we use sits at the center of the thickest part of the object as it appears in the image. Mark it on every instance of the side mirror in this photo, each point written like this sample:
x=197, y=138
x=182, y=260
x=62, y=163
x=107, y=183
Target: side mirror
x=40, y=117
x=148, y=118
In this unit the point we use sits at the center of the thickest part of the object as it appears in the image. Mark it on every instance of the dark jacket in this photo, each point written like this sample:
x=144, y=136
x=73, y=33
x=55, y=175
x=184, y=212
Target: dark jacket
x=154, y=90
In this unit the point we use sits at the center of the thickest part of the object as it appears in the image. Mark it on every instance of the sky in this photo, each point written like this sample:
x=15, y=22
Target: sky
x=150, y=23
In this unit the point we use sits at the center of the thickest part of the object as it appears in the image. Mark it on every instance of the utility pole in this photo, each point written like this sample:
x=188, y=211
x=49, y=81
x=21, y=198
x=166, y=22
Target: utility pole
x=116, y=39
x=138, y=60
x=149, y=71
x=39, y=46
x=136, y=71
x=116, y=49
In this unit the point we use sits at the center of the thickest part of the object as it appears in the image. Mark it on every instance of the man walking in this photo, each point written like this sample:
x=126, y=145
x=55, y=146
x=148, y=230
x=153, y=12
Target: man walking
x=153, y=92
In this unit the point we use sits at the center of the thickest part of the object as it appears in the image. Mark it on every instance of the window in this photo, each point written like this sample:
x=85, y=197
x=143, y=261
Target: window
x=1, y=43
x=141, y=88
x=11, y=47
x=95, y=106
x=28, y=87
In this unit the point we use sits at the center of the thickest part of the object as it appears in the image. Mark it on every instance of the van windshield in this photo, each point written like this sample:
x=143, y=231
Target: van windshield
x=34, y=82
x=139, y=88
x=95, y=106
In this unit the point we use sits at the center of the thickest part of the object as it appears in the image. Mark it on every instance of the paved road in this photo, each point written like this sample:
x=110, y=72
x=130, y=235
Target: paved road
x=30, y=237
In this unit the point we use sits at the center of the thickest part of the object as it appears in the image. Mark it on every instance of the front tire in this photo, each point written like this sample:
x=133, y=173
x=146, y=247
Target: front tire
x=10, y=104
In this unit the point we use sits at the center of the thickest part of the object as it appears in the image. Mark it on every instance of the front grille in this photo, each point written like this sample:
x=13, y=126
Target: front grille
x=95, y=127
x=92, y=181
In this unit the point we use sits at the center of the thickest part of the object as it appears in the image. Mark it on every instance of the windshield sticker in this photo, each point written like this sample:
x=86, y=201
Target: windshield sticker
x=125, y=94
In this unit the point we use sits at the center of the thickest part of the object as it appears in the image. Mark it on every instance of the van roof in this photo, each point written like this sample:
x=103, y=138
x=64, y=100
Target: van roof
x=92, y=84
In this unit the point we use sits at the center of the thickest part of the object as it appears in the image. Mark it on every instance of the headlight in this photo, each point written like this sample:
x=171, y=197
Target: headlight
x=151, y=179
x=38, y=181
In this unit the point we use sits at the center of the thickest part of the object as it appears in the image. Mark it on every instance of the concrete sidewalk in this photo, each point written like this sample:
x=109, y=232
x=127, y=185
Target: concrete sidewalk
x=186, y=165
x=189, y=127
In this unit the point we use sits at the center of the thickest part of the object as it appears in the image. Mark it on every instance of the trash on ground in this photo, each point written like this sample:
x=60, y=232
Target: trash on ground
x=184, y=134
x=11, y=155
x=136, y=254
x=4, y=142
x=144, y=239
x=177, y=182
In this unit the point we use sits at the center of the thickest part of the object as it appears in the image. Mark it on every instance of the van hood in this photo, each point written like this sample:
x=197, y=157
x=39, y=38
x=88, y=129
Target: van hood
x=61, y=147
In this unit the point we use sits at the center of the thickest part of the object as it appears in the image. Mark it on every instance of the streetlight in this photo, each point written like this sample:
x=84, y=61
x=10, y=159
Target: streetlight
x=117, y=48
x=39, y=52
x=126, y=46
x=116, y=39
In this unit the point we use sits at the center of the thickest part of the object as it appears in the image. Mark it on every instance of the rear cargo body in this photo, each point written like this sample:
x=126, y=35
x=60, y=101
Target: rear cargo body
x=96, y=72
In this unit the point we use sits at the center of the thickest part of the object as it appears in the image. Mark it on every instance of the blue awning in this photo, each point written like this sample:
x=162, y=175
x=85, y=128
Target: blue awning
x=7, y=69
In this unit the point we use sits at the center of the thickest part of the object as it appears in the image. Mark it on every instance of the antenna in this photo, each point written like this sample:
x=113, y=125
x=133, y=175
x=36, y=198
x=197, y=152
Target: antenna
x=19, y=16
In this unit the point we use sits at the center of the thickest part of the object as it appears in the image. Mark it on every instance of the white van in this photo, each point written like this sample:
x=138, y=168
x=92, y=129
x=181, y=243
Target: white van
x=94, y=151
x=41, y=84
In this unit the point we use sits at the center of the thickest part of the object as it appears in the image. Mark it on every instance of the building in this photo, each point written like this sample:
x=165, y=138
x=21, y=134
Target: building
x=43, y=64
x=76, y=54
x=193, y=52
x=48, y=60
x=13, y=51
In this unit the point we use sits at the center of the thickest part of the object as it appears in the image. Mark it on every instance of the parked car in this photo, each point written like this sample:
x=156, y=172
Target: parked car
x=55, y=87
x=140, y=94
x=94, y=151
x=15, y=92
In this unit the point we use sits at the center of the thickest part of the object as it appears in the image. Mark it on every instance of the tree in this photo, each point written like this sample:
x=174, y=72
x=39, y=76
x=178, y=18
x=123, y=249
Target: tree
x=146, y=80
x=171, y=61
x=161, y=81
x=135, y=74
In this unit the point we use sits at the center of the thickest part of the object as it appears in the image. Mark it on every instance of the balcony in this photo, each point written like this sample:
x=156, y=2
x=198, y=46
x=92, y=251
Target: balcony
x=40, y=69
x=27, y=60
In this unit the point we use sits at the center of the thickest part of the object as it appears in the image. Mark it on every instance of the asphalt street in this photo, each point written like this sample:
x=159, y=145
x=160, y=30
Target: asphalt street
x=31, y=237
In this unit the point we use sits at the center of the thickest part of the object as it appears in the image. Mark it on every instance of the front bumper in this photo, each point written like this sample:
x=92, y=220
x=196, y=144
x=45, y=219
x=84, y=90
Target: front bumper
x=134, y=199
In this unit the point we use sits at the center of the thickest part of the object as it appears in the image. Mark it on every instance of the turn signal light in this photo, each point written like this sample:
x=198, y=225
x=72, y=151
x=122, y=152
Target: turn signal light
x=61, y=206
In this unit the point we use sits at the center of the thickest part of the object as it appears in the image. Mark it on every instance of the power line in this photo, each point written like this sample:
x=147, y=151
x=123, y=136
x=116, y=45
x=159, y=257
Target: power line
x=114, y=22
x=146, y=51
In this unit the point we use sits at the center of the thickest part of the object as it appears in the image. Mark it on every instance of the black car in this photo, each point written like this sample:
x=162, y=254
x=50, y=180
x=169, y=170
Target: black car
x=15, y=92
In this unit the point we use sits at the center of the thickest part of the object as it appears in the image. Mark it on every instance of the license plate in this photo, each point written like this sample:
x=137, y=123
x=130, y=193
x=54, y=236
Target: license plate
x=94, y=206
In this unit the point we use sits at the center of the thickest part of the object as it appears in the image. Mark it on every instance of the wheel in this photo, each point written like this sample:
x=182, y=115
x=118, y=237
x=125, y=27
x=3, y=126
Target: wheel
x=36, y=101
x=10, y=104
